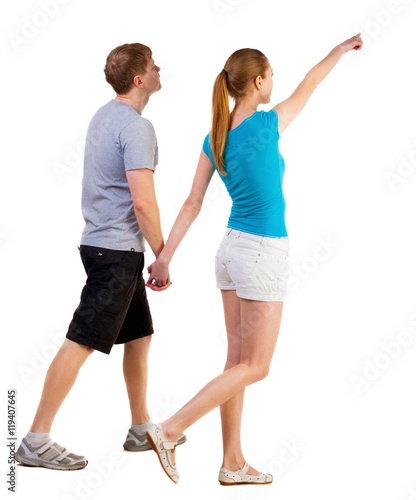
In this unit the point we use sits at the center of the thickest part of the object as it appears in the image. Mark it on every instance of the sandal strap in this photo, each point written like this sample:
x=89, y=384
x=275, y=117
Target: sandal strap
x=169, y=445
x=243, y=471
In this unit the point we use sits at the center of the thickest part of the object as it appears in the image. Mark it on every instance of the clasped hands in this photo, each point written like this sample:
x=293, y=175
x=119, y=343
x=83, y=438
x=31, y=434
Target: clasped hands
x=159, y=279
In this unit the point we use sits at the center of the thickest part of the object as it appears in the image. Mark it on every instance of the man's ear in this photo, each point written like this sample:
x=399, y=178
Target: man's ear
x=137, y=81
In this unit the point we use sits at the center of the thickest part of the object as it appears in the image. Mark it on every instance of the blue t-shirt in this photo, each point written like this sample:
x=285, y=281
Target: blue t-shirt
x=255, y=170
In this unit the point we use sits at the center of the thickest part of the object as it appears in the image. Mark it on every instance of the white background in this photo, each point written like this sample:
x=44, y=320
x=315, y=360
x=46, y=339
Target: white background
x=342, y=382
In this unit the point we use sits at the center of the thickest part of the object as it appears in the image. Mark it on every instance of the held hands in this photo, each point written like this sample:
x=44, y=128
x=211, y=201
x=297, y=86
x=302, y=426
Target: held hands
x=159, y=279
x=354, y=43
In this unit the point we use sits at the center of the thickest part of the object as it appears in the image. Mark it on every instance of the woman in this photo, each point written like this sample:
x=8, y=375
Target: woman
x=252, y=261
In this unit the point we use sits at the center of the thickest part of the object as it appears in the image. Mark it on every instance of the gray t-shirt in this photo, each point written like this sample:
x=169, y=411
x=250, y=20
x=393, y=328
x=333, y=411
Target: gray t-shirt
x=118, y=139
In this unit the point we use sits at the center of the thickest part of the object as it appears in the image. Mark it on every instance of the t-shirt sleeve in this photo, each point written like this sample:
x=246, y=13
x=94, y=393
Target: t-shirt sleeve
x=206, y=148
x=139, y=145
x=270, y=119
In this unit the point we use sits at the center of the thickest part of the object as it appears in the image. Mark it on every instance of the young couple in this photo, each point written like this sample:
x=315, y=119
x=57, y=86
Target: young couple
x=121, y=214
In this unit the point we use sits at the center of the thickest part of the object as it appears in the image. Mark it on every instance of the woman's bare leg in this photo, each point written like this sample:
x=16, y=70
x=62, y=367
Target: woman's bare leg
x=260, y=323
x=231, y=410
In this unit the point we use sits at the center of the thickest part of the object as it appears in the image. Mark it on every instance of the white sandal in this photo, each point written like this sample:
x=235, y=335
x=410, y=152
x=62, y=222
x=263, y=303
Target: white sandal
x=230, y=478
x=164, y=450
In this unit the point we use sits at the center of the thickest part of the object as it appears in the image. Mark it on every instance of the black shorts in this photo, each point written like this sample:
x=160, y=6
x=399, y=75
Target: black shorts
x=113, y=308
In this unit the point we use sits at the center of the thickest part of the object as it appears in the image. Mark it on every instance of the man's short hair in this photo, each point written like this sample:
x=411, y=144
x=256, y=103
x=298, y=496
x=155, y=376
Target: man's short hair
x=124, y=63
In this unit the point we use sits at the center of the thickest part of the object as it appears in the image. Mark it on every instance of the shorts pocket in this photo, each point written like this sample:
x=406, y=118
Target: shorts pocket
x=219, y=266
x=242, y=263
x=276, y=269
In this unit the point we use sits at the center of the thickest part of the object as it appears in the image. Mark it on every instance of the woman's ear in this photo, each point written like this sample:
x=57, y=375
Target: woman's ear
x=258, y=82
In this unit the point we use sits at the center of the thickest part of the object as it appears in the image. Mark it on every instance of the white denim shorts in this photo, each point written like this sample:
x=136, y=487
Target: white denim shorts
x=256, y=267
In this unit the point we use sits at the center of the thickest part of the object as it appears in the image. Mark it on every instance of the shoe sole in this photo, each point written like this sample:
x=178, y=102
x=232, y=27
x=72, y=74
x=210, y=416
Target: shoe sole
x=137, y=449
x=33, y=462
x=243, y=483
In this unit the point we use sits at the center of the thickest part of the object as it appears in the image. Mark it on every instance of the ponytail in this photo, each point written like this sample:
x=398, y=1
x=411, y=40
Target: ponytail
x=241, y=68
x=220, y=120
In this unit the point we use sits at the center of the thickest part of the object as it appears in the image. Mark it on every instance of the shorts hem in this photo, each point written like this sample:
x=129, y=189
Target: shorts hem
x=90, y=344
x=261, y=298
x=150, y=332
x=227, y=288
x=105, y=349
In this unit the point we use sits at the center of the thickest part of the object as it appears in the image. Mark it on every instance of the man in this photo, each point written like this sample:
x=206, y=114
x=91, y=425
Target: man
x=121, y=212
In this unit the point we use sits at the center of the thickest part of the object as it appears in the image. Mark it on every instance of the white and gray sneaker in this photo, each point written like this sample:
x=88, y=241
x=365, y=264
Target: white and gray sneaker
x=50, y=455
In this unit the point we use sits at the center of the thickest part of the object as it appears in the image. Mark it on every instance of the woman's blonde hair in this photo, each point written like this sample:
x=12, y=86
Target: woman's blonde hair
x=240, y=70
